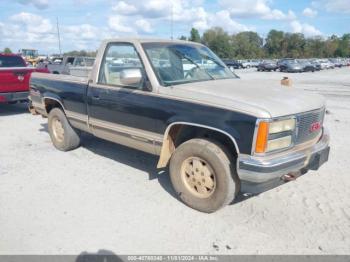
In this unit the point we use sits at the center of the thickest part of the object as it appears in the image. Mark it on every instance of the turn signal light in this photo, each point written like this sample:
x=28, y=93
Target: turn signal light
x=261, y=139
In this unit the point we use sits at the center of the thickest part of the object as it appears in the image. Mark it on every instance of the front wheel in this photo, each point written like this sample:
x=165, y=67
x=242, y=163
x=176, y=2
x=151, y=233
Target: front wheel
x=204, y=175
x=62, y=134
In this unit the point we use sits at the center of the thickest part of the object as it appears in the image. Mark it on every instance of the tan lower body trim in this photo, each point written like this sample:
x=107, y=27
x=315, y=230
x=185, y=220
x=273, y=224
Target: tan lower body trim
x=146, y=141
x=77, y=120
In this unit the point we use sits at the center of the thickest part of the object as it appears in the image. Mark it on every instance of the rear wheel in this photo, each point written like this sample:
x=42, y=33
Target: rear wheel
x=204, y=175
x=62, y=134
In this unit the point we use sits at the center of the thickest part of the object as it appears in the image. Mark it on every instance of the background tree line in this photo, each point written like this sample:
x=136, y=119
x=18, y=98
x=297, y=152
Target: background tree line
x=277, y=44
x=71, y=53
x=81, y=53
x=249, y=45
x=6, y=51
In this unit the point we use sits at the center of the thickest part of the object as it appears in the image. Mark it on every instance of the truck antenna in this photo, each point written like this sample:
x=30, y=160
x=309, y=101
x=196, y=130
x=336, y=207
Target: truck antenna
x=59, y=38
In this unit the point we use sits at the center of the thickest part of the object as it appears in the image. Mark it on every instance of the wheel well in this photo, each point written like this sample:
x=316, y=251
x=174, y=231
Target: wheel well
x=180, y=133
x=51, y=104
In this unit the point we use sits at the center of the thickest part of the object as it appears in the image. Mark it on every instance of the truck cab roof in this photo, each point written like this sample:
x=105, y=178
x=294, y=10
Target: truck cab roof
x=148, y=40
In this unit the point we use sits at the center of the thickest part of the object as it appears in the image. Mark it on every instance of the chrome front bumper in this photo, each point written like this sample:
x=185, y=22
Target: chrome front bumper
x=14, y=96
x=254, y=169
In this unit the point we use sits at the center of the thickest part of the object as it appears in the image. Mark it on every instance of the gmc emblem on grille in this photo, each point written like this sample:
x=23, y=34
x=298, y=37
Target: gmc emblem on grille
x=315, y=126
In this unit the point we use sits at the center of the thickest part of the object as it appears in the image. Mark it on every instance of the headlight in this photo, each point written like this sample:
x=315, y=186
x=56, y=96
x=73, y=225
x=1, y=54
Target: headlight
x=274, y=135
x=278, y=143
x=282, y=126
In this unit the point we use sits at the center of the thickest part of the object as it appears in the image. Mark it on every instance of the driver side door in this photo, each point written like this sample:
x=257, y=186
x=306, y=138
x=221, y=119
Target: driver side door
x=120, y=108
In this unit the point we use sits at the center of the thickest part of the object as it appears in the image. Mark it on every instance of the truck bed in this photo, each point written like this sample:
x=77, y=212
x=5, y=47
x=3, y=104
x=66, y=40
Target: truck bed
x=56, y=77
x=69, y=91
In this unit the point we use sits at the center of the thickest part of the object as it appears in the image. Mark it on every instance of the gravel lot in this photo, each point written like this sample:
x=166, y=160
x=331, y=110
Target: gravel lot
x=105, y=196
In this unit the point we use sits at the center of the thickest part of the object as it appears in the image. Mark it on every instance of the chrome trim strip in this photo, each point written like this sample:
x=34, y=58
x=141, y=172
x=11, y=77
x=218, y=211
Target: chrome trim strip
x=16, y=68
x=135, y=133
x=12, y=93
x=52, y=98
x=199, y=125
x=123, y=136
x=92, y=123
x=15, y=96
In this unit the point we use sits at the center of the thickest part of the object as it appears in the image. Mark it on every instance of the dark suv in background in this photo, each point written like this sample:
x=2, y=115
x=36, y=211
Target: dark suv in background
x=268, y=65
x=307, y=65
x=290, y=65
x=232, y=64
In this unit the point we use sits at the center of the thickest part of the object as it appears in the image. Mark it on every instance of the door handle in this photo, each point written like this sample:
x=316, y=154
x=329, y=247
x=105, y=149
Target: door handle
x=99, y=93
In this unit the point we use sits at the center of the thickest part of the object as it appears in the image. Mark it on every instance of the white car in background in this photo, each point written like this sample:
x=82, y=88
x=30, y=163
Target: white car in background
x=245, y=63
x=326, y=64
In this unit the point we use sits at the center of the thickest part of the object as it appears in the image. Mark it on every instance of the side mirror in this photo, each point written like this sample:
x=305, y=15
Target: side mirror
x=131, y=77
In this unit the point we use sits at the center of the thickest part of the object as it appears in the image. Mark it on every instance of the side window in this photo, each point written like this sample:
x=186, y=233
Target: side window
x=121, y=66
x=70, y=60
x=79, y=61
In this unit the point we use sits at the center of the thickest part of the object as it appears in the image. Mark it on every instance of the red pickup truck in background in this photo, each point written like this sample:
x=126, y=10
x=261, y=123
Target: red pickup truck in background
x=14, y=78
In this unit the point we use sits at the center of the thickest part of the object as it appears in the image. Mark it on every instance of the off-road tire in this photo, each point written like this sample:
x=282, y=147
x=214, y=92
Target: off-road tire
x=70, y=140
x=223, y=165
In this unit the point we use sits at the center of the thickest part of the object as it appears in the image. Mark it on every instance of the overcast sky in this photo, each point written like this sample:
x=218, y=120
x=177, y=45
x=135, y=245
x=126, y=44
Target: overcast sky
x=84, y=23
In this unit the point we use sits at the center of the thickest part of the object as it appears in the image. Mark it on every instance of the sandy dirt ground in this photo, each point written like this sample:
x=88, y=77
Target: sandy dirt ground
x=105, y=196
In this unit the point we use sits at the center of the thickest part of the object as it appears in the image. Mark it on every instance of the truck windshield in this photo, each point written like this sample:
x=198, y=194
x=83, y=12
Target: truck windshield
x=176, y=63
x=11, y=61
x=30, y=52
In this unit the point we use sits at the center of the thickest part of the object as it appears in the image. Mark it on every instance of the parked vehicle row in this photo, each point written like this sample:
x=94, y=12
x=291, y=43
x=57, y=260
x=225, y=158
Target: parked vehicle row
x=288, y=64
x=292, y=65
x=237, y=64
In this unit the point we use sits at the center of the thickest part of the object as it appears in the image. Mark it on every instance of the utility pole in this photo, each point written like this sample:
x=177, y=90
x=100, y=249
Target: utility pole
x=59, y=38
x=172, y=21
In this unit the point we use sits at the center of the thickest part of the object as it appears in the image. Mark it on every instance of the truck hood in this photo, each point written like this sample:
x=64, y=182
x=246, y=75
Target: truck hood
x=263, y=99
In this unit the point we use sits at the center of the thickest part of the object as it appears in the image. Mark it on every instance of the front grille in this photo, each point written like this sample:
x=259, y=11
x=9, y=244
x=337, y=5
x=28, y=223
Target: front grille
x=304, y=122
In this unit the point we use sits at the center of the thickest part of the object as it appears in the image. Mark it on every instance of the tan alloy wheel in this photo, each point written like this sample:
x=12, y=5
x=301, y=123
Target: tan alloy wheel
x=58, y=130
x=198, y=177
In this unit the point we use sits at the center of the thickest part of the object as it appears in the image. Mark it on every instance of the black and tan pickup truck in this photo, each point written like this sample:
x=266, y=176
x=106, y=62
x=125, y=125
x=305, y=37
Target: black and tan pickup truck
x=218, y=134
